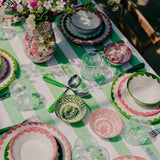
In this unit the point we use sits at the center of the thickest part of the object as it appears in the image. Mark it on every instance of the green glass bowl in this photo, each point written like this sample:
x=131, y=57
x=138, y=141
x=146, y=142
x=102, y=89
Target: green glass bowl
x=144, y=88
x=70, y=108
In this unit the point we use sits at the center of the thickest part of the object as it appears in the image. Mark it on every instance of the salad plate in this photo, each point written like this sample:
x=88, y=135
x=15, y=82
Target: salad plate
x=33, y=143
x=124, y=102
x=70, y=108
x=129, y=157
x=106, y=123
x=4, y=68
x=117, y=53
x=12, y=71
x=85, y=21
x=63, y=146
x=71, y=30
x=97, y=40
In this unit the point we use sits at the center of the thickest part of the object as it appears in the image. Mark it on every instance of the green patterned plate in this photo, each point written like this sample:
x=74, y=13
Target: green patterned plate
x=70, y=109
x=13, y=68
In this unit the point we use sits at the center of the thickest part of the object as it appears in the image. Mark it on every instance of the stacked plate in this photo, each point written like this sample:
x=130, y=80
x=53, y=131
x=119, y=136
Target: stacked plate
x=8, y=69
x=137, y=94
x=85, y=27
x=34, y=140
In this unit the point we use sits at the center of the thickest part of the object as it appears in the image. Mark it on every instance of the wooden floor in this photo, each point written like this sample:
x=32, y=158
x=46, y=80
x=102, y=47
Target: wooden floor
x=151, y=10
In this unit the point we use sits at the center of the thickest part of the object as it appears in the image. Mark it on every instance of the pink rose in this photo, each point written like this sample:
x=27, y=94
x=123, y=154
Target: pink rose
x=15, y=5
x=34, y=4
x=1, y=3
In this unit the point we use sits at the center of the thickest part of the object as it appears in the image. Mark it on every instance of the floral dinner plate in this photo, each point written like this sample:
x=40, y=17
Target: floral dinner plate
x=124, y=103
x=106, y=123
x=97, y=40
x=63, y=146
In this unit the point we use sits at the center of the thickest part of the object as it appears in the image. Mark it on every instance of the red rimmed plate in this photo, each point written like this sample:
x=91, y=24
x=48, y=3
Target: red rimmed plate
x=4, y=68
x=129, y=157
x=106, y=123
x=99, y=39
x=117, y=53
x=123, y=109
x=61, y=140
x=33, y=143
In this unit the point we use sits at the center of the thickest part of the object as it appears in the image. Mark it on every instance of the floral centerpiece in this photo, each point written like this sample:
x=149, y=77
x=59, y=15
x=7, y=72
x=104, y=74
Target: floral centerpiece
x=39, y=40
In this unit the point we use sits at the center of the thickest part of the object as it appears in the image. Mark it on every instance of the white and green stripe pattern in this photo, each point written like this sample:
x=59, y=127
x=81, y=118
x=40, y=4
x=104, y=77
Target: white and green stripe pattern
x=61, y=67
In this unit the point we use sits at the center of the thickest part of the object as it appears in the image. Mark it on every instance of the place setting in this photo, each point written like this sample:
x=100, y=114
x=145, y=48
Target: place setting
x=34, y=140
x=85, y=27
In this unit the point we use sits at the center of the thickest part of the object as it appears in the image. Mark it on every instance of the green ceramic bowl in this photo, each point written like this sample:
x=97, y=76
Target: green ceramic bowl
x=70, y=108
x=144, y=87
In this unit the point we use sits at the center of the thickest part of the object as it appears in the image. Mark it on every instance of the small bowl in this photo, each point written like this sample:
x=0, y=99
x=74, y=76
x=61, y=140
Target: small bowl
x=85, y=22
x=70, y=108
x=117, y=53
x=144, y=88
x=33, y=143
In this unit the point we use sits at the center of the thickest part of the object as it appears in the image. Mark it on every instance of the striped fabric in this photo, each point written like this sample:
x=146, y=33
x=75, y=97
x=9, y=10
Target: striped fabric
x=65, y=63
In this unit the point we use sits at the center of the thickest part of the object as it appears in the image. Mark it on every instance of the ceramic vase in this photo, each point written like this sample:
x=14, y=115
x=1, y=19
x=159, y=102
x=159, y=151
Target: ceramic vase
x=39, y=43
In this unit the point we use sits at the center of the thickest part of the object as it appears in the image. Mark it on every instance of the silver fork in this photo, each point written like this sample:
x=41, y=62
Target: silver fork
x=33, y=118
x=154, y=132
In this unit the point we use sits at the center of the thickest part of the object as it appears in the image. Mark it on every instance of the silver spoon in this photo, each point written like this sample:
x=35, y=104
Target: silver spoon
x=72, y=82
x=80, y=93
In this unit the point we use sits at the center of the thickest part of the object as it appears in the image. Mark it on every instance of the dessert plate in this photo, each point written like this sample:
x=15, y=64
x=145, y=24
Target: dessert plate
x=63, y=151
x=12, y=71
x=129, y=157
x=129, y=102
x=4, y=68
x=85, y=21
x=33, y=143
x=99, y=39
x=121, y=104
x=70, y=108
x=117, y=53
x=71, y=30
x=106, y=123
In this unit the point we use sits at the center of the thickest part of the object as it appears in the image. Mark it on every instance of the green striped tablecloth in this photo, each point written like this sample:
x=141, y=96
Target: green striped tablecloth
x=65, y=63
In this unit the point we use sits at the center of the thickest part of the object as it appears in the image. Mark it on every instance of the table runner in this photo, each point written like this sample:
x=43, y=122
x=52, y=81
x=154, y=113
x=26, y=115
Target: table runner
x=65, y=63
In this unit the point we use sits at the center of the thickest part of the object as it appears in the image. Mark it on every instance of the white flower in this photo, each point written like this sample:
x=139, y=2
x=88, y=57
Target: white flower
x=60, y=4
x=52, y=43
x=40, y=9
x=47, y=4
x=20, y=8
x=30, y=21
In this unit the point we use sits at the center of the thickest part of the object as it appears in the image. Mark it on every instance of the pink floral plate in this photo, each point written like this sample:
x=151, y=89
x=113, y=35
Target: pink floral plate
x=106, y=123
x=63, y=146
x=129, y=157
x=117, y=53
x=4, y=68
x=97, y=40
x=125, y=103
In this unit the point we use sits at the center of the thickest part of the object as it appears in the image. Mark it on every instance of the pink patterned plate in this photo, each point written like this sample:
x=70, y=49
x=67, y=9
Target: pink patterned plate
x=106, y=123
x=97, y=40
x=4, y=68
x=131, y=105
x=129, y=157
x=61, y=140
x=117, y=53
x=33, y=143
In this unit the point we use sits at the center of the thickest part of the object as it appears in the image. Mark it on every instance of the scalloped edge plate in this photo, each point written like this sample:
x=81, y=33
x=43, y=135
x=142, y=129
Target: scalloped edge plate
x=114, y=95
x=13, y=68
x=97, y=40
x=57, y=134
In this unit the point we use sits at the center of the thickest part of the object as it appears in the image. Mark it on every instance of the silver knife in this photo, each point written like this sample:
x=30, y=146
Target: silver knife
x=132, y=69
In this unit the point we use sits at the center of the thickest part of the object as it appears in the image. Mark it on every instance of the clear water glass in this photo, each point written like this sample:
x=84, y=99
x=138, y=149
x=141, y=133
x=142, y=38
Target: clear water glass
x=21, y=94
x=85, y=147
x=90, y=67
